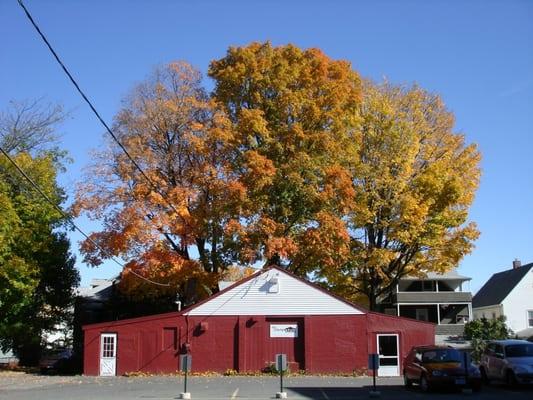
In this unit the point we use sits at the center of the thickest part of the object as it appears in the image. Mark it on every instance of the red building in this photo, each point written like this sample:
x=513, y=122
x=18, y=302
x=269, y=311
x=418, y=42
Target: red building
x=244, y=326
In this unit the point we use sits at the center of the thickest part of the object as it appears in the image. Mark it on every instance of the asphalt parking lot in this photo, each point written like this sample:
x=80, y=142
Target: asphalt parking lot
x=18, y=386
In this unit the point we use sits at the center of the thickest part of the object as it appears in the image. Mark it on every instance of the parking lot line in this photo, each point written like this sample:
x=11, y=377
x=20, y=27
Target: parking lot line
x=234, y=395
x=324, y=394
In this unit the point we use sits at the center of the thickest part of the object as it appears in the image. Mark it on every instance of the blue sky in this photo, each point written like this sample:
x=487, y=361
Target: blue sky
x=477, y=54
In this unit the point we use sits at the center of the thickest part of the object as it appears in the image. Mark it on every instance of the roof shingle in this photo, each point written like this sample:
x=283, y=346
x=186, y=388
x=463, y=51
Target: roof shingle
x=496, y=289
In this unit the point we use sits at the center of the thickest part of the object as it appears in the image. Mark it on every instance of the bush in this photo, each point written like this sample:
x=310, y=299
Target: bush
x=481, y=330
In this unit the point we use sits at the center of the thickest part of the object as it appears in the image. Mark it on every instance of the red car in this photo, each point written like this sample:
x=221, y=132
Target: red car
x=439, y=366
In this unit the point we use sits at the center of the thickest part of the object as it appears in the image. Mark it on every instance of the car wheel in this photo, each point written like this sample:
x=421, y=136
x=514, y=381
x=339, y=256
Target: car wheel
x=424, y=384
x=484, y=376
x=406, y=381
x=510, y=379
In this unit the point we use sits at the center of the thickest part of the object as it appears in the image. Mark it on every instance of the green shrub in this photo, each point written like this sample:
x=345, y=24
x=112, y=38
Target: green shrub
x=479, y=331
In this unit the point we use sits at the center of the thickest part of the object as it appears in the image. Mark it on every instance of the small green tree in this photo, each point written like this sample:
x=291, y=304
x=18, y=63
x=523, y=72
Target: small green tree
x=479, y=331
x=37, y=272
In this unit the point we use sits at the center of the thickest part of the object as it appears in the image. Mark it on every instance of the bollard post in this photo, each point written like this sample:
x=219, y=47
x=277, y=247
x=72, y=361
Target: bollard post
x=373, y=364
x=185, y=383
x=185, y=366
x=281, y=366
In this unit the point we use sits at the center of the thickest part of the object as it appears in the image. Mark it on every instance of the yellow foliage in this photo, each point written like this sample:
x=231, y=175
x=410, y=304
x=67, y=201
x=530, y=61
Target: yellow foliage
x=292, y=160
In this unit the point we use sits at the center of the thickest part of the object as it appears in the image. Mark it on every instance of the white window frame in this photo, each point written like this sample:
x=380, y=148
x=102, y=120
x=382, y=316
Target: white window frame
x=528, y=318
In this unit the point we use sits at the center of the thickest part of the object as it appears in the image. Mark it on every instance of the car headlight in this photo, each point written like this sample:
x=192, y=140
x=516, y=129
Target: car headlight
x=438, y=373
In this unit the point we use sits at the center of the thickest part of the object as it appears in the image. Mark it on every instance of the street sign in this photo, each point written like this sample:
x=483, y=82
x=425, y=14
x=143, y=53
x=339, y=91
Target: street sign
x=185, y=362
x=373, y=361
x=281, y=362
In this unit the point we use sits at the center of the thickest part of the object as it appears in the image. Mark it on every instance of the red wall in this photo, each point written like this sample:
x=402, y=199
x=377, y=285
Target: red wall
x=337, y=343
x=410, y=332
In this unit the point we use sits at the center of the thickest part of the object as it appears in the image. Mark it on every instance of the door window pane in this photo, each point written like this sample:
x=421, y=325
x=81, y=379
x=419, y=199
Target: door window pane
x=108, y=347
x=387, y=346
x=385, y=362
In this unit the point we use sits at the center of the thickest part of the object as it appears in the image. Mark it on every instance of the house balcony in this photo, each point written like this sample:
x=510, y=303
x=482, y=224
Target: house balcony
x=449, y=318
x=450, y=330
x=431, y=297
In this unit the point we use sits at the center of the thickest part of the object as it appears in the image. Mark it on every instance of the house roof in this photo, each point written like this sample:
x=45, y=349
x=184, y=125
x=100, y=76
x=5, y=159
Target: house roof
x=99, y=289
x=448, y=276
x=496, y=289
x=191, y=310
x=186, y=311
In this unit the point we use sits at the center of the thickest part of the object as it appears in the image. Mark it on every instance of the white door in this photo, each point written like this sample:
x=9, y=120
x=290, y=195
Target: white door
x=108, y=354
x=389, y=360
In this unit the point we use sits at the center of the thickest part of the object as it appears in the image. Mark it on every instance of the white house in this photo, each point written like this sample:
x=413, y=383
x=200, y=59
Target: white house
x=508, y=293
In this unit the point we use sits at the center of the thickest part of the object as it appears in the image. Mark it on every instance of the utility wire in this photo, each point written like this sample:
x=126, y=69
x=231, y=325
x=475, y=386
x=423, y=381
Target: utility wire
x=108, y=129
x=69, y=219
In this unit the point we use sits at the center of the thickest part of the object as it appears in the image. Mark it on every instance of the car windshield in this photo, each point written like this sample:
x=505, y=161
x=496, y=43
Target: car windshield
x=519, y=350
x=441, y=355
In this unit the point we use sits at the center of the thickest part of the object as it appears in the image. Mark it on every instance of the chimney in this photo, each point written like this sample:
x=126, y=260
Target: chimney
x=517, y=263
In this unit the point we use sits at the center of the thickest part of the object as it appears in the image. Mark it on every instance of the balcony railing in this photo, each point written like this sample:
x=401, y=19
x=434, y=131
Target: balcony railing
x=432, y=297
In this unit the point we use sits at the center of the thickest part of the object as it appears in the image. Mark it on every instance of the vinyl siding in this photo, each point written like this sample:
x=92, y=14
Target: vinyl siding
x=432, y=297
x=518, y=302
x=259, y=296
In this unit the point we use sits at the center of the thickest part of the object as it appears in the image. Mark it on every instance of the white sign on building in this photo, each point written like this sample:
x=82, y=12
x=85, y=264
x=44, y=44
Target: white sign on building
x=284, y=330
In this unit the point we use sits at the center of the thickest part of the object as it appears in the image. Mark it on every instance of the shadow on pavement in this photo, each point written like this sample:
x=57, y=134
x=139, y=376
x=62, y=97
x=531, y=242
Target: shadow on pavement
x=399, y=392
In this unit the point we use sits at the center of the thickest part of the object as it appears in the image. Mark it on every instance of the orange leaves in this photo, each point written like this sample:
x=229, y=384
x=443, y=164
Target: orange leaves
x=324, y=246
x=290, y=160
x=338, y=189
x=284, y=247
x=159, y=265
x=259, y=172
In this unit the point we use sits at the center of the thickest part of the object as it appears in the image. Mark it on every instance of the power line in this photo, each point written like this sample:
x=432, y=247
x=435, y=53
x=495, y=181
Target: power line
x=108, y=129
x=69, y=219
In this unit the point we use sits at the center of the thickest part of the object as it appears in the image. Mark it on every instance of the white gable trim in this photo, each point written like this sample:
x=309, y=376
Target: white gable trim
x=273, y=292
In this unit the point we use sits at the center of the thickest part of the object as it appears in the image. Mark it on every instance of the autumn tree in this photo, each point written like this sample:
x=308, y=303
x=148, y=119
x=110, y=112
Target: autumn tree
x=30, y=126
x=415, y=183
x=248, y=174
x=37, y=274
x=180, y=198
x=290, y=161
x=292, y=114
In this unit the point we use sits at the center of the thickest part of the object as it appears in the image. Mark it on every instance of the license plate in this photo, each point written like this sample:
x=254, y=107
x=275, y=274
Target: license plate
x=460, y=381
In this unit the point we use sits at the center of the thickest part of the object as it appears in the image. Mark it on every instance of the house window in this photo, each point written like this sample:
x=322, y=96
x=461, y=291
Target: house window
x=530, y=318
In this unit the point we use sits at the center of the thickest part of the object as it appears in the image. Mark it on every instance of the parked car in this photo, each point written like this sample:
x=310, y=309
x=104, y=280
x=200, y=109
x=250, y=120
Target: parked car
x=56, y=361
x=508, y=360
x=440, y=366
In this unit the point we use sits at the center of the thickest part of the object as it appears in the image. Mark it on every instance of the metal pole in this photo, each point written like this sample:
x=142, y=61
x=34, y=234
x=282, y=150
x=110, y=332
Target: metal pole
x=185, y=390
x=281, y=380
x=374, y=377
